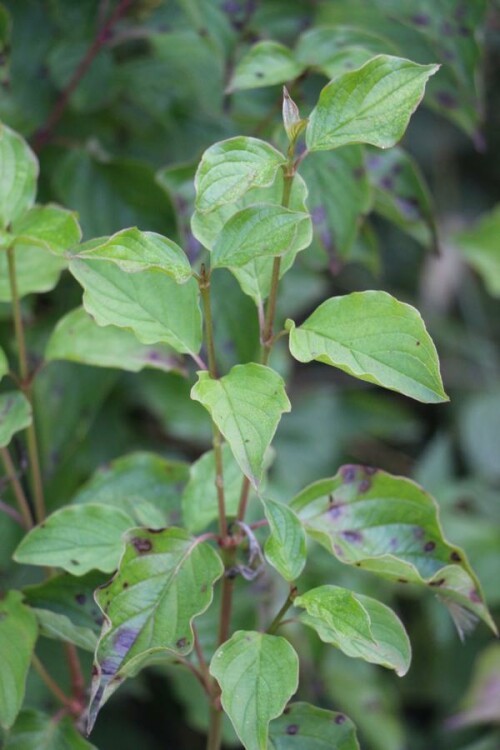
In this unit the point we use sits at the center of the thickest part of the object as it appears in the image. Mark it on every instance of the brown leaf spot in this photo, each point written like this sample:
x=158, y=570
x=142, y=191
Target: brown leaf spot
x=429, y=546
x=402, y=580
x=80, y=598
x=439, y=582
x=292, y=729
x=339, y=719
x=142, y=545
x=365, y=485
x=474, y=596
x=455, y=556
x=181, y=643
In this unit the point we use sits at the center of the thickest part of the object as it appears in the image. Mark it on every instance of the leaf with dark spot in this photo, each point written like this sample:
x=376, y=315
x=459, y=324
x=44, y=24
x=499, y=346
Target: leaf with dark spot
x=153, y=617
x=306, y=727
x=401, y=194
x=392, y=529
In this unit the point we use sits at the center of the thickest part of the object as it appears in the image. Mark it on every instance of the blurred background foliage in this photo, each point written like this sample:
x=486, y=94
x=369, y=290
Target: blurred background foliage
x=119, y=99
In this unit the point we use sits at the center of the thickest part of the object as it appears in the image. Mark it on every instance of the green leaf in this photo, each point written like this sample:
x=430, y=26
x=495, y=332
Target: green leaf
x=37, y=270
x=111, y=193
x=265, y=64
x=230, y=168
x=285, y=548
x=255, y=277
x=390, y=526
x=401, y=194
x=306, y=727
x=15, y=415
x=33, y=729
x=133, y=251
x=78, y=338
x=246, y=405
x=259, y=231
x=152, y=306
x=4, y=365
x=70, y=597
x=144, y=485
x=77, y=538
x=357, y=625
x=199, y=500
x=370, y=105
x=479, y=246
x=18, y=176
x=18, y=633
x=340, y=196
x=337, y=49
x=50, y=227
x=431, y=32
x=164, y=581
x=374, y=337
x=258, y=674
x=60, y=628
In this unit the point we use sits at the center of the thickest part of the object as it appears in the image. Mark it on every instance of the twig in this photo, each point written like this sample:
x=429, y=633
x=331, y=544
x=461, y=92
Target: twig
x=25, y=512
x=51, y=683
x=204, y=284
x=76, y=674
x=202, y=662
x=25, y=384
x=12, y=512
x=43, y=135
x=259, y=524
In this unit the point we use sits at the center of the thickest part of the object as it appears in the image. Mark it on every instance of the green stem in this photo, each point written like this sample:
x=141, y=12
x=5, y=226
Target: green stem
x=17, y=488
x=273, y=627
x=215, y=728
x=25, y=382
x=204, y=283
x=77, y=680
x=267, y=334
x=16, y=310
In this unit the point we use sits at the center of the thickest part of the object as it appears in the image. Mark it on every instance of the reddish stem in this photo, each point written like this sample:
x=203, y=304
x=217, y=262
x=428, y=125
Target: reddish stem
x=44, y=134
